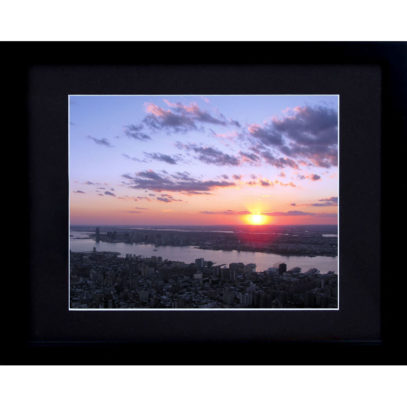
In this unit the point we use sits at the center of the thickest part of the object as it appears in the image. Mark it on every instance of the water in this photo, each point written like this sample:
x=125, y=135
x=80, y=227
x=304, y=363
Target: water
x=80, y=243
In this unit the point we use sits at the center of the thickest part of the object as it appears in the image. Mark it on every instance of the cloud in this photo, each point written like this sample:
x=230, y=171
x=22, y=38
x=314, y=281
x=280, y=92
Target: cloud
x=133, y=158
x=312, y=177
x=178, y=117
x=288, y=184
x=289, y=213
x=280, y=162
x=332, y=201
x=109, y=193
x=249, y=157
x=167, y=198
x=227, y=212
x=135, y=132
x=269, y=183
x=237, y=177
x=309, y=133
x=197, y=114
x=180, y=182
x=78, y=192
x=267, y=135
x=142, y=198
x=134, y=212
x=210, y=155
x=299, y=213
x=162, y=157
x=101, y=141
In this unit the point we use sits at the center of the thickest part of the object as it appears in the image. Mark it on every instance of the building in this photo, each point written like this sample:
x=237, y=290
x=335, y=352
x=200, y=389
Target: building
x=282, y=268
x=200, y=263
x=251, y=267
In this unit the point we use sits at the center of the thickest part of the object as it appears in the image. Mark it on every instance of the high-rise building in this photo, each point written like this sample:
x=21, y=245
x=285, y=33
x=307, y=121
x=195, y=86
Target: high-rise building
x=200, y=262
x=282, y=268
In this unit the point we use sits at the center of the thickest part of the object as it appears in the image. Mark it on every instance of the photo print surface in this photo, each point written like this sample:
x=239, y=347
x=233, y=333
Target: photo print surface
x=203, y=202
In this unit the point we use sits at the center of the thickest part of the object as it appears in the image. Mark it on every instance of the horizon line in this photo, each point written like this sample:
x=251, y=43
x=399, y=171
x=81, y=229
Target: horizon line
x=223, y=225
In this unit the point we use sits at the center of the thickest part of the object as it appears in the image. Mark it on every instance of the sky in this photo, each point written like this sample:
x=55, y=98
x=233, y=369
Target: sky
x=203, y=159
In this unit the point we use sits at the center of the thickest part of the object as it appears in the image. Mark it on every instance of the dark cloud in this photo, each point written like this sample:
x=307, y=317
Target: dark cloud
x=265, y=183
x=332, y=201
x=237, y=177
x=181, y=118
x=152, y=181
x=162, y=157
x=227, y=212
x=170, y=122
x=167, y=198
x=266, y=135
x=305, y=133
x=101, y=141
x=194, y=112
x=280, y=162
x=210, y=155
x=312, y=177
x=78, y=192
x=135, y=132
x=109, y=193
x=249, y=157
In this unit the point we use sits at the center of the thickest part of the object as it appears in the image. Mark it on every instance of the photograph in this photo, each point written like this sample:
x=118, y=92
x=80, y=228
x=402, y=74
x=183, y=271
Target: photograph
x=203, y=202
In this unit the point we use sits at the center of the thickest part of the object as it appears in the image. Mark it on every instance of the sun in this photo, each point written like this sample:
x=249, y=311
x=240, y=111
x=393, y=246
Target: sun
x=256, y=219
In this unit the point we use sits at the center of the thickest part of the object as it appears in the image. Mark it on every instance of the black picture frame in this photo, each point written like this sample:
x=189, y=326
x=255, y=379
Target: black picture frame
x=371, y=80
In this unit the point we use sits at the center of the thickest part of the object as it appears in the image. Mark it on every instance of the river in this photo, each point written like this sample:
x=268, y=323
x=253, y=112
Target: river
x=80, y=243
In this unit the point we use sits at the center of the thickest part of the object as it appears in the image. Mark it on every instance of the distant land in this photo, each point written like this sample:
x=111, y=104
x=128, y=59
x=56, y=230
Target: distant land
x=296, y=240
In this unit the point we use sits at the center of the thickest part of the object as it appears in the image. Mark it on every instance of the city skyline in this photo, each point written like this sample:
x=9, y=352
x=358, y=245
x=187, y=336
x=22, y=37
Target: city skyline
x=203, y=160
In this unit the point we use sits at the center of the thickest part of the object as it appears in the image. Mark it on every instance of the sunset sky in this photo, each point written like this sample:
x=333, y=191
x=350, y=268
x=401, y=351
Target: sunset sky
x=203, y=160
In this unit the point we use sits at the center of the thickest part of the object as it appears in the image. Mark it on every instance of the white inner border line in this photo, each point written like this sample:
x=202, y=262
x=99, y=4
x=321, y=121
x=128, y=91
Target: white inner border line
x=197, y=309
